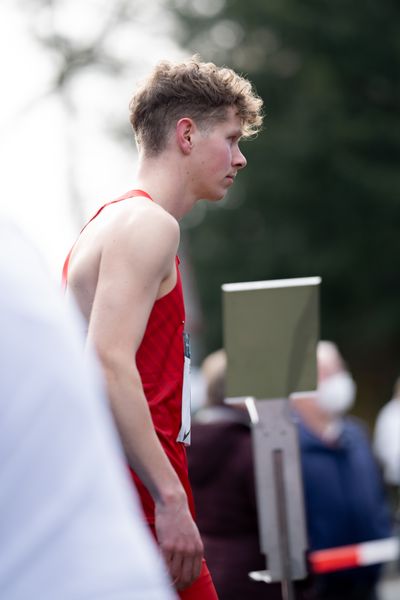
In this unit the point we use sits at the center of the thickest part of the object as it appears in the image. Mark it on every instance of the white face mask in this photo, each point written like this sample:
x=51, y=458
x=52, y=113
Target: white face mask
x=336, y=394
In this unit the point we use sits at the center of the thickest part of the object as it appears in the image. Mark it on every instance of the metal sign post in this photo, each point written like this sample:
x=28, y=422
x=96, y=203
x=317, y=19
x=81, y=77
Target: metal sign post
x=279, y=492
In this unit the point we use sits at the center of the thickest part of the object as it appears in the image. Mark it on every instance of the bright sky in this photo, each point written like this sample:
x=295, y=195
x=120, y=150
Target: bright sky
x=39, y=146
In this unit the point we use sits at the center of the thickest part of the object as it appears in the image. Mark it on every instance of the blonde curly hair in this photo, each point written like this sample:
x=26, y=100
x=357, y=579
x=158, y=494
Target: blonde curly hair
x=195, y=89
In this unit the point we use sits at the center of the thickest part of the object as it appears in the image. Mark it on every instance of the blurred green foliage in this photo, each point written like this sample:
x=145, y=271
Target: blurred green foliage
x=320, y=195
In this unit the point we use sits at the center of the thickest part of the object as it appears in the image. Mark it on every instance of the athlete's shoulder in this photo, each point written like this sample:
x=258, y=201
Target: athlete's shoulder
x=140, y=216
x=150, y=220
x=159, y=215
x=141, y=231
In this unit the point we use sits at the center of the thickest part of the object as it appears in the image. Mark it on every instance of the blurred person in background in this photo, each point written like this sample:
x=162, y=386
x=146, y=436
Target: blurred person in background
x=222, y=477
x=387, y=438
x=387, y=450
x=70, y=523
x=344, y=495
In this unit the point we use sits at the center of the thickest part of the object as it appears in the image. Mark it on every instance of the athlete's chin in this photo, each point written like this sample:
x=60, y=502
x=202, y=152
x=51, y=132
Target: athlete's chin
x=216, y=195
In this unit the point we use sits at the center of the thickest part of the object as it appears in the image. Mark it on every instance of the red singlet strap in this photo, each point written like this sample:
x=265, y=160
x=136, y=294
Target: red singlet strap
x=131, y=194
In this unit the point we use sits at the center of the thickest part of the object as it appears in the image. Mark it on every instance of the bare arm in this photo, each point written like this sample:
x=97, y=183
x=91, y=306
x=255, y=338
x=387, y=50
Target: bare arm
x=135, y=264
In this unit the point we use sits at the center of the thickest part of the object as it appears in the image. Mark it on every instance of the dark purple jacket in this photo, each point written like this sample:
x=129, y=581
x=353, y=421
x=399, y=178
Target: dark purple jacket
x=221, y=474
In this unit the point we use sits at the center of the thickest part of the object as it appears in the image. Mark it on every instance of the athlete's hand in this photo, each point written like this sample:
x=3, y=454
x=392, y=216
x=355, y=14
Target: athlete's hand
x=180, y=541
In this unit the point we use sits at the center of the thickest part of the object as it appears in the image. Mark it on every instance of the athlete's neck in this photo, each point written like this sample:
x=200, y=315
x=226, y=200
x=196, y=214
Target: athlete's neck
x=166, y=182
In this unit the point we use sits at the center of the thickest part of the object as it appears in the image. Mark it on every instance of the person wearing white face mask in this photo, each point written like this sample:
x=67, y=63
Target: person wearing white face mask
x=344, y=495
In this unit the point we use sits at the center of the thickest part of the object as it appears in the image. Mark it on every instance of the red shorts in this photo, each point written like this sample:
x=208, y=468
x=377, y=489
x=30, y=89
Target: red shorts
x=201, y=589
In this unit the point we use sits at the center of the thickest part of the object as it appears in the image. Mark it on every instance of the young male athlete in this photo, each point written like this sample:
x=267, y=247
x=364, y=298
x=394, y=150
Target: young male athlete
x=188, y=119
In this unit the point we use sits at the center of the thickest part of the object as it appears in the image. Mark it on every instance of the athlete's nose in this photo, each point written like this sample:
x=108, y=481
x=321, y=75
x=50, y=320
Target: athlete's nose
x=239, y=160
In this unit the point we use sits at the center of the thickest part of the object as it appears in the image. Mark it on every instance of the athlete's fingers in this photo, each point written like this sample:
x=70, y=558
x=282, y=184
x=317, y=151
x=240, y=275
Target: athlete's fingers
x=167, y=556
x=191, y=568
x=197, y=564
x=187, y=572
x=175, y=566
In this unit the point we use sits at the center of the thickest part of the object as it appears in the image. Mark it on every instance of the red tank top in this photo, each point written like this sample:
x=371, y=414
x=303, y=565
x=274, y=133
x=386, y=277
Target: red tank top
x=160, y=362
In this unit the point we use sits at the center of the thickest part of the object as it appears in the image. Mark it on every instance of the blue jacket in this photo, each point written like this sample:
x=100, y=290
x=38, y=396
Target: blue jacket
x=344, y=495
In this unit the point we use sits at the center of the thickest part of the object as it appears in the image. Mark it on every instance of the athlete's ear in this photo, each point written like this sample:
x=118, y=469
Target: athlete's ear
x=184, y=134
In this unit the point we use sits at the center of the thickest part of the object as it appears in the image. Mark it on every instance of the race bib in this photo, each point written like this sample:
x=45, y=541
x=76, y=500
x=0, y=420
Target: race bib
x=184, y=432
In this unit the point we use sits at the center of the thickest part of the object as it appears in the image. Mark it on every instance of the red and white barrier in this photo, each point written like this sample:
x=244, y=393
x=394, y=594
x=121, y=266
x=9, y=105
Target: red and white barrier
x=345, y=557
x=357, y=555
